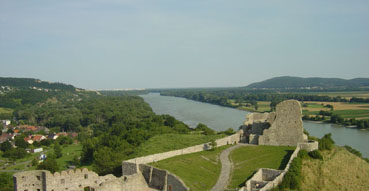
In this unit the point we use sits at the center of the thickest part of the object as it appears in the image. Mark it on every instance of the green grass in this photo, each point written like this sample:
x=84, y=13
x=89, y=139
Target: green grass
x=169, y=142
x=306, y=112
x=247, y=160
x=5, y=110
x=199, y=171
x=314, y=105
x=352, y=113
x=263, y=106
x=342, y=94
x=69, y=152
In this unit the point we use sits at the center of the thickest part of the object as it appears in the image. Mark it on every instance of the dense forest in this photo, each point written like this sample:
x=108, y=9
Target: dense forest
x=26, y=83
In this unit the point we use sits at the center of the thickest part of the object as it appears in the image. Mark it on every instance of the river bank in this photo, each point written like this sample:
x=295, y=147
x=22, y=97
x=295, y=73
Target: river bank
x=253, y=110
x=221, y=118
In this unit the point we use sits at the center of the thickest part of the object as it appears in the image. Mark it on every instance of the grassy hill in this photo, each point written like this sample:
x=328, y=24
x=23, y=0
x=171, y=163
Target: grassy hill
x=286, y=82
x=340, y=170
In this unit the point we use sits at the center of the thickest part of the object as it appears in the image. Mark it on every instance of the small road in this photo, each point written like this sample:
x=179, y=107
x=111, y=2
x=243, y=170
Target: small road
x=227, y=165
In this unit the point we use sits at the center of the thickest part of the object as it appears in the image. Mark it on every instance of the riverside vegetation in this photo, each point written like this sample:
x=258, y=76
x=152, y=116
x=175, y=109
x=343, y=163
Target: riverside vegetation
x=110, y=129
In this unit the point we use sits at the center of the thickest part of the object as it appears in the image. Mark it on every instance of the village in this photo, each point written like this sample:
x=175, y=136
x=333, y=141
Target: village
x=25, y=146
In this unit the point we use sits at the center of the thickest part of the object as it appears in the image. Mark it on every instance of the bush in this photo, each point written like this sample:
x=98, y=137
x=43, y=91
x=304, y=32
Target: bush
x=316, y=155
x=353, y=151
x=6, y=182
x=213, y=145
x=292, y=179
x=303, y=154
x=326, y=143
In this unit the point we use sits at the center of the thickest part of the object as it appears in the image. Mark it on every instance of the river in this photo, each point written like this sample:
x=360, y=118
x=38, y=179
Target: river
x=221, y=118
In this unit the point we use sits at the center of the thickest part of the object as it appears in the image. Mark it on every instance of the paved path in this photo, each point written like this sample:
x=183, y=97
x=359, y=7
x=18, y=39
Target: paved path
x=225, y=173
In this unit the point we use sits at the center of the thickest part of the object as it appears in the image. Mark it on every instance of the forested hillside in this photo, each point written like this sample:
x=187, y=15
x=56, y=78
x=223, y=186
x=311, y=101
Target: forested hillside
x=288, y=82
x=25, y=83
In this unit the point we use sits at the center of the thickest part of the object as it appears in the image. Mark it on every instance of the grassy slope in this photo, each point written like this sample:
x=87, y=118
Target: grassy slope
x=248, y=159
x=169, y=142
x=199, y=171
x=340, y=170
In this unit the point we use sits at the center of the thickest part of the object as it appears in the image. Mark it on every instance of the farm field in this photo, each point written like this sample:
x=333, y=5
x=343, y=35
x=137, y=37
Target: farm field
x=349, y=94
x=199, y=171
x=346, y=110
x=247, y=160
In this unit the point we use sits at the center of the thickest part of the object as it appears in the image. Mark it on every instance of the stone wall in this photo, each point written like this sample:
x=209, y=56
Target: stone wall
x=233, y=139
x=66, y=180
x=287, y=128
x=267, y=179
x=156, y=178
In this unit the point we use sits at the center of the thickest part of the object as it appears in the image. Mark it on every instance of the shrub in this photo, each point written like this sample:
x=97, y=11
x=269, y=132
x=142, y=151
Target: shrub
x=326, y=143
x=353, y=151
x=316, y=155
x=303, y=154
x=292, y=179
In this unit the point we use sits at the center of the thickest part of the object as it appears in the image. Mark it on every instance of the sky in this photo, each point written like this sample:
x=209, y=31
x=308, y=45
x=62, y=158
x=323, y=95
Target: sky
x=113, y=44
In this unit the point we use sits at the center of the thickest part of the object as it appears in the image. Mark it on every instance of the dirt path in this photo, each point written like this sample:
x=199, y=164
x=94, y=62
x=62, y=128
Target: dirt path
x=225, y=173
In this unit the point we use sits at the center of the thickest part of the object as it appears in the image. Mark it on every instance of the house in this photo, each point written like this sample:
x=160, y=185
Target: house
x=28, y=140
x=6, y=122
x=37, y=150
x=38, y=138
x=34, y=138
x=62, y=134
x=52, y=136
x=4, y=137
x=33, y=128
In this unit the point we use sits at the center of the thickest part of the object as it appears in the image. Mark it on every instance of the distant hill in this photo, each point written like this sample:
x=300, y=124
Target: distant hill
x=288, y=82
x=29, y=83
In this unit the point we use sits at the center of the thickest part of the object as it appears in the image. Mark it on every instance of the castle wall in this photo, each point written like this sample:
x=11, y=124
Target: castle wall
x=287, y=128
x=29, y=180
x=271, y=177
x=41, y=180
x=156, y=178
x=233, y=139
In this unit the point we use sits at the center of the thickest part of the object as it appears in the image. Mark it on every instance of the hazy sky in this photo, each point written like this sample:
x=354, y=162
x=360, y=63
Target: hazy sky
x=104, y=44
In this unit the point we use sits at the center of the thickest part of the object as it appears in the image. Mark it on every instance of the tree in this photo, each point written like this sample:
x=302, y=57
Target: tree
x=213, y=145
x=34, y=162
x=49, y=164
x=20, y=142
x=5, y=146
x=6, y=182
x=58, y=150
x=326, y=143
x=107, y=161
x=16, y=153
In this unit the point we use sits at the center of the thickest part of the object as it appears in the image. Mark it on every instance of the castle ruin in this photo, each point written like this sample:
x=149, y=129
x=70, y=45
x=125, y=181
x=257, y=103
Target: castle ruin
x=283, y=127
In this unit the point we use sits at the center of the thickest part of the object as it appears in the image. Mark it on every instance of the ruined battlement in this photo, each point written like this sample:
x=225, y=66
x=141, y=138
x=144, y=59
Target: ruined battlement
x=41, y=180
x=283, y=127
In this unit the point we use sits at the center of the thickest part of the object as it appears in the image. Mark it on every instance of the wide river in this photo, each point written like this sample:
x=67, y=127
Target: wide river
x=221, y=118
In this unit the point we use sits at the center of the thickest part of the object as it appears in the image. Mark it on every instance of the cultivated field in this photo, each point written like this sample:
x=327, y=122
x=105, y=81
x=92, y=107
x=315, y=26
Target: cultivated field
x=346, y=110
x=247, y=160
